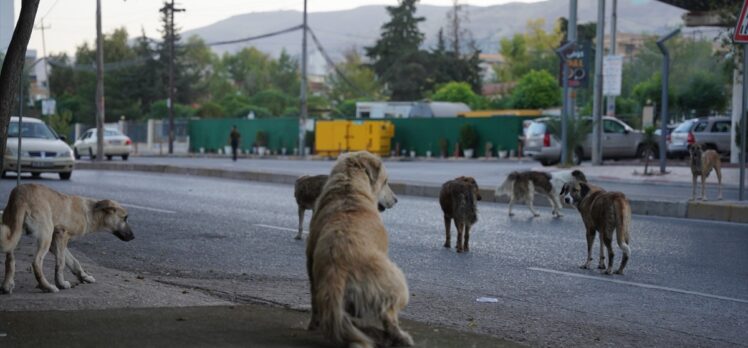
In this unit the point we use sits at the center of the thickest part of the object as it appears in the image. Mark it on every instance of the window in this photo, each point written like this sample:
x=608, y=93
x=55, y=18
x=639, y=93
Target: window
x=613, y=127
x=684, y=127
x=31, y=130
x=111, y=133
x=700, y=127
x=721, y=127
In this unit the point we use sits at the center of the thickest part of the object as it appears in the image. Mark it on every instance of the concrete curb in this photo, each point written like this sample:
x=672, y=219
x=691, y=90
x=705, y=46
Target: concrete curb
x=718, y=210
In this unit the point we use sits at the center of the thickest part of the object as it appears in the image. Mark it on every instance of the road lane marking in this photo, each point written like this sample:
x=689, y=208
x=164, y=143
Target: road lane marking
x=641, y=285
x=278, y=228
x=147, y=208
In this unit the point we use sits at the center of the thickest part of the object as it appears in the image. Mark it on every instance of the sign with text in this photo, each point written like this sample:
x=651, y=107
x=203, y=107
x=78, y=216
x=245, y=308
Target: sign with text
x=741, y=29
x=579, y=66
x=612, y=71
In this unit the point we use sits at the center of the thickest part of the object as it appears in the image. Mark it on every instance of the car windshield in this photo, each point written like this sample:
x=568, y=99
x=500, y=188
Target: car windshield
x=31, y=130
x=535, y=129
x=684, y=127
x=111, y=133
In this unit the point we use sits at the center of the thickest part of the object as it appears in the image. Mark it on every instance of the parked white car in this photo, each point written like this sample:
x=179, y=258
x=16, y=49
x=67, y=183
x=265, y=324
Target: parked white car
x=42, y=150
x=115, y=144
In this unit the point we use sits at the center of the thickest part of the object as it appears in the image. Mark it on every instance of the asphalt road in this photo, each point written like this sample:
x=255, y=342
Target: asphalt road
x=686, y=284
x=488, y=174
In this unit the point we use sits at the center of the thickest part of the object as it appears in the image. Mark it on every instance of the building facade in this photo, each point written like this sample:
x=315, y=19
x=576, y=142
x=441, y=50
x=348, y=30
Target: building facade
x=7, y=23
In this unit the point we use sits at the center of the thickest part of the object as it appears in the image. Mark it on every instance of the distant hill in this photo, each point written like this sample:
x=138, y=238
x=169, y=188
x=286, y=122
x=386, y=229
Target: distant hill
x=359, y=27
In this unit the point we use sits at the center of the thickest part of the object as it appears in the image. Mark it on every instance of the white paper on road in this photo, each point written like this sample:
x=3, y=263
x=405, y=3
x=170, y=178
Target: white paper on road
x=487, y=299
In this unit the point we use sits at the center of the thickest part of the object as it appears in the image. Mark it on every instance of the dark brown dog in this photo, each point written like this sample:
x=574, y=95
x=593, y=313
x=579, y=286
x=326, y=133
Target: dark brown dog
x=458, y=201
x=702, y=163
x=306, y=190
x=602, y=212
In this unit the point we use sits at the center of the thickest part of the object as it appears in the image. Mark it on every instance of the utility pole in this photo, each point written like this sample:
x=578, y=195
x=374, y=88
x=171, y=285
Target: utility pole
x=303, y=115
x=597, y=124
x=44, y=53
x=99, y=85
x=169, y=10
x=664, y=115
x=613, y=30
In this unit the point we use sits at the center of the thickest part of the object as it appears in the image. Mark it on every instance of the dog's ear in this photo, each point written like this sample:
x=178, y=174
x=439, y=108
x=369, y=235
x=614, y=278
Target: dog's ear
x=579, y=175
x=370, y=164
x=564, y=189
x=107, y=206
x=584, y=189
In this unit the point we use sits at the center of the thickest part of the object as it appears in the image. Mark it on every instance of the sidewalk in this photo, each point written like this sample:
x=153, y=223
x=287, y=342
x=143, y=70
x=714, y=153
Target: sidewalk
x=124, y=309
x=665, y=196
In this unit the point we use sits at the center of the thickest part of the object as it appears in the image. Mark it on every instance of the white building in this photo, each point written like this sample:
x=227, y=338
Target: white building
x=7, y=23
x=378, y=110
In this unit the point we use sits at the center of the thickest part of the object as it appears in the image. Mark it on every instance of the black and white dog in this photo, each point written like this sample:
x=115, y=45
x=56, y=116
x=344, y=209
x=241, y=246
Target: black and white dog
x=523, y=186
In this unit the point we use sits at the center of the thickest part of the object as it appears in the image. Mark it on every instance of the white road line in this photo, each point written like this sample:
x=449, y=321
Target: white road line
x=148, y=208
x=641, y=285
x=278, y=228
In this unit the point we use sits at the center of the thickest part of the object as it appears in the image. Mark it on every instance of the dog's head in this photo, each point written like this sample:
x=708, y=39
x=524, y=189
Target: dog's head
x=473, y=185
x=574, y=192
x=113, y=218
x=694, y=150
x=377, y=174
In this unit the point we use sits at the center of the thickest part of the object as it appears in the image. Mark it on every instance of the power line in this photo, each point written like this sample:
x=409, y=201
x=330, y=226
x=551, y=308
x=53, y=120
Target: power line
x=257, y=37
x=332, y=64
x=51, y=8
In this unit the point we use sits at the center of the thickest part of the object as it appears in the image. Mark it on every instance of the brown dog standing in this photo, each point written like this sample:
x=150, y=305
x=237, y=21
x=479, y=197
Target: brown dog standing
x=306, y=190
x=603, y=212
x=702, y=163
x=458, y=201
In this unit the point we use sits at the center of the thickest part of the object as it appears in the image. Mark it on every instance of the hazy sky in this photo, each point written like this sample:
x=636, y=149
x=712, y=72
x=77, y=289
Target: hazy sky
x=74, y=21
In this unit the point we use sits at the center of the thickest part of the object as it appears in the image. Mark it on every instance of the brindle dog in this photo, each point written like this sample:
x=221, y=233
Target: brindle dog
x=702, y=163
x=458, y=201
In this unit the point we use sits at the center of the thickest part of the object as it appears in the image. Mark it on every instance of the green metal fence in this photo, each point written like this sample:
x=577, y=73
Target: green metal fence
x=213, y=134
x=417, y=134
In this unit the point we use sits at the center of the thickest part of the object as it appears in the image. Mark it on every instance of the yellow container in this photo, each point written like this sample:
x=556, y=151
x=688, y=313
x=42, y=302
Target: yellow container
x=334, y=137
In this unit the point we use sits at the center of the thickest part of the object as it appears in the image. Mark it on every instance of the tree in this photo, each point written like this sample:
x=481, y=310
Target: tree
x=458, y=92
x=704, y=94
x=396, y=57
x=284, y=74
x=13, y=66
x=211, y=110
x=273, y=100
x=60, y=122
x=357, y=81
x=457, y=33
x=532, y=50
x=536, y=90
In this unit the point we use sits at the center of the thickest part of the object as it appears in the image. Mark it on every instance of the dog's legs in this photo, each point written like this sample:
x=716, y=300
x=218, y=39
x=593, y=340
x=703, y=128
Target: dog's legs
x=447, y=228
x=528, y=201
x=703, y=186
x=72, y=263
x=41, y=251
x=391, y=326
x=511, y=203
x=59, y=244
x=718, y=169
x=601, y=263
x=606, y=238
x=553, y=199
x=466, y=246
x=460, y=233
x=10, y=271
x=626, y=253
x=693, y=194
x=590, y=241
x=301, y=221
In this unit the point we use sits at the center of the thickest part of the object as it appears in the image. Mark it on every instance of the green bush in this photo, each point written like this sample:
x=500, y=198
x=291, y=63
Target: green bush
x=468, y=137
x=538, y=89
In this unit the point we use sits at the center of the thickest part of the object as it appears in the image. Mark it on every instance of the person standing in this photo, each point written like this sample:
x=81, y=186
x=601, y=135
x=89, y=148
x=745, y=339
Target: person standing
x=234, y=139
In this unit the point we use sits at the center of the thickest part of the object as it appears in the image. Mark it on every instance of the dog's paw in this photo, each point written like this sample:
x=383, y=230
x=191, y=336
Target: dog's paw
x=619, y=272
x=298, y=237
x=63, y=285
x=608, y=272
x=601, y=266
x=404, y=339
x=87, y=279
x=511, y=214
x=585, y=266
x=8, y=288
x=53, y=289
x=313, y=325
x=459, y=250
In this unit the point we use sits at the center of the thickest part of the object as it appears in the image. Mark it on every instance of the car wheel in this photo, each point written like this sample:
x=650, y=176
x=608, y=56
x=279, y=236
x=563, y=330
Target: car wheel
x=4, y=174
x=36, y=175
x=577, y=156
x=76, y=154
x=65, y=175
x=109, y=157
x=125, y=157
x=545, y=162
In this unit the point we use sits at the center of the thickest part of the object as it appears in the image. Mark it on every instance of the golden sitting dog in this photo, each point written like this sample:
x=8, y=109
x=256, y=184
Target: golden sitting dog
x=52, y=218
x=355, y=288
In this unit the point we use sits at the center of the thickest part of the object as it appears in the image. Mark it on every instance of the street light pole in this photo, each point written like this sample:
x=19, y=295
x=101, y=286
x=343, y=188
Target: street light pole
x=664, y=116
x=99, y=85
x=303, y=111
x=597, y=130
x=613, y=24
x=744, y=125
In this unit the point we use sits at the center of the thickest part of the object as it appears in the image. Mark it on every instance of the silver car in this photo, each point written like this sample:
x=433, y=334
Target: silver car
x=710, y=132
x=619, y=141
x=42, y=150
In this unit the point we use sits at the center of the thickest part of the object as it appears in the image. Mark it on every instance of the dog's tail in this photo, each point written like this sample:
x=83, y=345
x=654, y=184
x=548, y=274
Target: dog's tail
x=624, y=222
x=11, y=228
x=507, y=186
x=335, y=321
x=471, y=207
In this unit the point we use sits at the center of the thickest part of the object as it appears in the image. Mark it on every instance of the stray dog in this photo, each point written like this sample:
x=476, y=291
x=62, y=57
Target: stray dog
x=53, y=218
x=524, y=185
x=458, y=199
x=306, y=191
x=355, y=287
x=702, y=163
x=602, y=212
